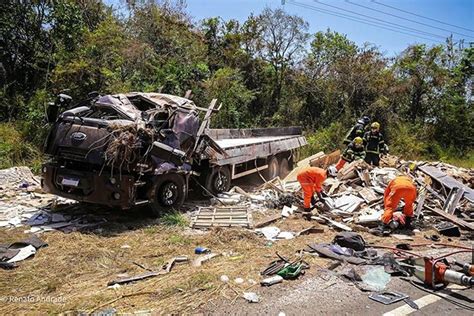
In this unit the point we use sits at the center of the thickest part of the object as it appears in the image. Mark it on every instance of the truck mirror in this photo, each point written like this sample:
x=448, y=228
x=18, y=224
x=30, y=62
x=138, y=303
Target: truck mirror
x=52, y=111
x=63, y=100
x=93, y=95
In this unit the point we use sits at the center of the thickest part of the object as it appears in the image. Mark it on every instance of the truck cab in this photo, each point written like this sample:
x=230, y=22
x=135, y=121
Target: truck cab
x=125, y=150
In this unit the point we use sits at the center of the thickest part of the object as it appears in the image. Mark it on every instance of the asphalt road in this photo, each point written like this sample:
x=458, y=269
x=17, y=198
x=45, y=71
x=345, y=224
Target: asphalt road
x=327, y=294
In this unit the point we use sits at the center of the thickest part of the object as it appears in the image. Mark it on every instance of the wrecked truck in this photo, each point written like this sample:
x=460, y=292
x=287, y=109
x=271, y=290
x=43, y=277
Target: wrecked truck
x=132, y=149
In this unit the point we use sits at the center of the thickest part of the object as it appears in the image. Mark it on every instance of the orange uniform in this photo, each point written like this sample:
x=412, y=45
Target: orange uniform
x=311, y=180
x=399, y=188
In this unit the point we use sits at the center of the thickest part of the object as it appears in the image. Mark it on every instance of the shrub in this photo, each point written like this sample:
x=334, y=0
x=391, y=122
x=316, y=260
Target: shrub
x=14, y=150
x=325, y=139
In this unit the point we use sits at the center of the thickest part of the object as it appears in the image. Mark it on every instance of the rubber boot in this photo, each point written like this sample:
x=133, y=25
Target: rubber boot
x=307, y=214
x=409, y=223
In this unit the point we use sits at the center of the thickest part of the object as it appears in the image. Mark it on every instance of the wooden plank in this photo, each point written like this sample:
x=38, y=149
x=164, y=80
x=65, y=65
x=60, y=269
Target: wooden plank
x=305, y=162
x=335, y=223
x=135, y=278
x=453, y=199
x=430, y=189
x=451, y=218
x=368, y=195
x=365, y=177
x=326, y=160
x=419, y=204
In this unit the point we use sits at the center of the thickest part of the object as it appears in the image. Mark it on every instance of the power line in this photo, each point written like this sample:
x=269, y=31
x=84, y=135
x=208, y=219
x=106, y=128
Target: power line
x=403, y=18
x=377, y=19
x=357, y=19
x=360, y=20
x=421, y=16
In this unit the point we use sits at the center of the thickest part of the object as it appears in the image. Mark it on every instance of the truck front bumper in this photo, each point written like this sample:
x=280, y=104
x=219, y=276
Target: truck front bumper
x=86, y=186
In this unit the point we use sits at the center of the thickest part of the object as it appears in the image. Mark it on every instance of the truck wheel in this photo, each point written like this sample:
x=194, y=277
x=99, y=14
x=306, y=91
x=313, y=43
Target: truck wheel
x=285, y=167
x=168, y=193
x=273, y=169
x=218, y=180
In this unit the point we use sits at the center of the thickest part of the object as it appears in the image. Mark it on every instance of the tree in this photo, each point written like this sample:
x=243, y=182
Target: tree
x=283, y=38
x=227, y=86
x=423, y=75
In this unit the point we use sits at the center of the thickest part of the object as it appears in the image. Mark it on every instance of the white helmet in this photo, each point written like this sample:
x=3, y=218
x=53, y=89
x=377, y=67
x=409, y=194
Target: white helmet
x=332, y=171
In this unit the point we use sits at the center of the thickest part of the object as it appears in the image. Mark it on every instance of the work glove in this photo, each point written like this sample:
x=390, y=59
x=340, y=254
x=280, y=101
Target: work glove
x=399, y=217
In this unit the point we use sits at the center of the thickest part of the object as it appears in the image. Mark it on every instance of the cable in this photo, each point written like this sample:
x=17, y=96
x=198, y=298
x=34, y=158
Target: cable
x=395, y=249
x=383, y=21
x=403, y=18
x=450, y=300
x=421, y=16
x=441, y=244
x=452, y=253
x=356, y=19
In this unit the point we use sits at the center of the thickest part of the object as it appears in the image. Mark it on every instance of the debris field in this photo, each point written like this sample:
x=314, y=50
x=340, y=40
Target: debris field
x=234, y=248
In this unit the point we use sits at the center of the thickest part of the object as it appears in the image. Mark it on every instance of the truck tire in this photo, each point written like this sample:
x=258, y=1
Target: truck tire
x=285, y=167
x=168, y=193
x=218, y=180
x=273, y=169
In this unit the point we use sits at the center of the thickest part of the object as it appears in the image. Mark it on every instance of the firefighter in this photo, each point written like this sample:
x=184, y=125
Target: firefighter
x=402, y=187
x=354, y=151
x=357, y=130
x=374, y=145
x=311, y=180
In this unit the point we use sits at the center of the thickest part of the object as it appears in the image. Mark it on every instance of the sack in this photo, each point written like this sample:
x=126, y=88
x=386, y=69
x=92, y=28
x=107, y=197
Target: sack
x=350, y=240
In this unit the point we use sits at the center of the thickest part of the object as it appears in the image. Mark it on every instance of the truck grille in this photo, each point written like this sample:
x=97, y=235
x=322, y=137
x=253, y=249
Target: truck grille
x=73, y=154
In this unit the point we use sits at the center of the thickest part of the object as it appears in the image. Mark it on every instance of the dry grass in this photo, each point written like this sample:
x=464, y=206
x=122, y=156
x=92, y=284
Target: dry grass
x=76, y=267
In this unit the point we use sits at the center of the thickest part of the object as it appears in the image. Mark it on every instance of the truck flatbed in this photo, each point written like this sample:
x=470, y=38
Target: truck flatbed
x=243, y=145
x=238, y=142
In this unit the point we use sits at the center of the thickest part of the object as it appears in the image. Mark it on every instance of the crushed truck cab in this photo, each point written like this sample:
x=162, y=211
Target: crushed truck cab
x=130, y=149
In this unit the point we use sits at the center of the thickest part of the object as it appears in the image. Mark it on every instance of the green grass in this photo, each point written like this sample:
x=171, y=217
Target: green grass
x=175, y=239
x=466, y=162
x=174, y=219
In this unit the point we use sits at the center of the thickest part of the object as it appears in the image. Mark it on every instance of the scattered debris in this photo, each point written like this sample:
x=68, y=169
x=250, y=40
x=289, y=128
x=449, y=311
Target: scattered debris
x=200, y=260
x=251, y=297
x=134, y=279
x=448, y=229
x=19, y=251
x=310, y=230
x=388, y=298
x=376, y=278
x=447, y=181
x=165, y=270
x=238, y=280
x=273, y=233
x=287, y=211
x=272, y=280
x=350, y=240
x=292, y=270
x=201, y=250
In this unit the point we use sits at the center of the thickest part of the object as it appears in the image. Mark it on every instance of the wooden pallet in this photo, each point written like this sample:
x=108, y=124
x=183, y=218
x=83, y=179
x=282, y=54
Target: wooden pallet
x=222, y=217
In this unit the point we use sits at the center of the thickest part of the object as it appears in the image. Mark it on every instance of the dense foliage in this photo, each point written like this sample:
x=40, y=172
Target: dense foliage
x=267, y=71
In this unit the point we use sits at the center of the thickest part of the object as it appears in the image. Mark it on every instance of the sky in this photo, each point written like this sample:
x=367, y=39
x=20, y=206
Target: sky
x=455, y=13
